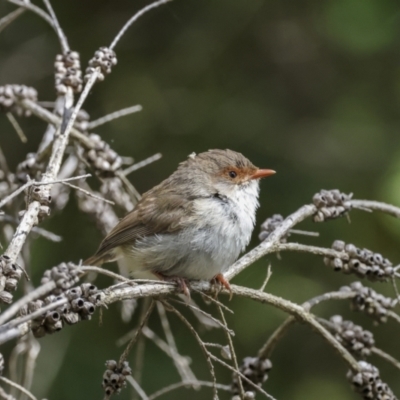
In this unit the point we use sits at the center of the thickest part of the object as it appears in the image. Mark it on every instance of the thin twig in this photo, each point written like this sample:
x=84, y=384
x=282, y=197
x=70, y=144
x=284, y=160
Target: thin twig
x=17, y=127
x=303, y=233
x=54, y=120
x=42, y=183
x=37, y=10
x=142, y=163
x=5, y=396
x=114, y=115
x=206, y=353
x=301, y=313
x=303, y=248
x=33, y=315
x=61, y=36
x=137, y=388
x=40, y=231
x=376, y=206
x=217, y=321
x=19, y=387
x=387, y=357
x=35, y=294
x=9, y=18
x=213, y=300
x=180, y=362
x=134, y=19
x=267, y=349
x=179, y=385
x=32, y=353
x=106, y=272
x=233, y=353
x=141, y=343
x=124, y=355
x=393, y=315
x=128, y=185
x=250, y=382
x=90, y=194
x=266, y=280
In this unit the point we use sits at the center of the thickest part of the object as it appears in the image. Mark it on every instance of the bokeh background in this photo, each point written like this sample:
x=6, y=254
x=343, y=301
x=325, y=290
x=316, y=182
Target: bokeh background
x=308, y=88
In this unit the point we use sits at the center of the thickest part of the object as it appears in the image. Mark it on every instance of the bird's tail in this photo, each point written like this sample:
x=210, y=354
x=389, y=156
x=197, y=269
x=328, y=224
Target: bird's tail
x=94, y=260
x=101, y=257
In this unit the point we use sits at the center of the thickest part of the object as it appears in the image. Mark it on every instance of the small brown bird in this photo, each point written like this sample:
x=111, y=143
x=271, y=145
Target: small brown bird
x=194, y=224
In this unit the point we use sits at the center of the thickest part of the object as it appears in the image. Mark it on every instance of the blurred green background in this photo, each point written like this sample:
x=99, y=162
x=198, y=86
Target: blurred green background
x=308, y=88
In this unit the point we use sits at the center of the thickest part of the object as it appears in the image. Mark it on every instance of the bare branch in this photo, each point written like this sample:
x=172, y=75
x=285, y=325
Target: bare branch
x=376, y=206
x=124, y=355
x=41, y=183
x=17, y=127
x=31, y=296
x=206, y=353
x=134, y=19
x=90, y=194
x=54, y=120
x=179, y=385
x=106, y=272
x=19, y=387
x=37, y=10
x=232, y=350
x=11, y=17
x=266, y=280
x=320, y=251
x=181, y=363
x=142, y=163
x=256, y=387
x=114, y=115
x=137, y=388
x=61, y=36
x=40, y=231
x=387, y=357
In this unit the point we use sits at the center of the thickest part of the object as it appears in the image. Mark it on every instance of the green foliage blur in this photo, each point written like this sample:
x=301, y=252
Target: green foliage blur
x=308, y=88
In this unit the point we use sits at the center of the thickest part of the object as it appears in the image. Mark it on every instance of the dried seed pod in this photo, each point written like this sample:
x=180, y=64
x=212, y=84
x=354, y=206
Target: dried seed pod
x=64, y=275
x=331, y=204
x=362, y=262
x=6, y=297
x=369, y=301
x=253, y=368
x=71, y=318
x=114, y=377
x=12, y=95
x=68, y=72
x=368, y=383
x=353, y=337
x=74, y=293
x=104, y=58
x=269, y=225
x=104, y=160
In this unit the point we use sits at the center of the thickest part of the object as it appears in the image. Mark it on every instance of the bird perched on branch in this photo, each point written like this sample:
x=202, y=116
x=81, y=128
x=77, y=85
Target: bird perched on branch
x=194, y=224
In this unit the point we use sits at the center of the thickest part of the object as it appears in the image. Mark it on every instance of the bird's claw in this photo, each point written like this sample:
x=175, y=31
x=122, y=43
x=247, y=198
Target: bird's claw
x=219, y=279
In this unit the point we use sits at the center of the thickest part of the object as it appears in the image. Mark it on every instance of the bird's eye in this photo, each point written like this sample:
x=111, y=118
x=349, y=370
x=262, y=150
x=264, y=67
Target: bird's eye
x=232, y=174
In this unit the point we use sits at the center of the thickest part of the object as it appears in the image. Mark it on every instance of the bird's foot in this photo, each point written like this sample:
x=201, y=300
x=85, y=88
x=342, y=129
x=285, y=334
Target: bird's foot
x=182, y=283
x=219, y=279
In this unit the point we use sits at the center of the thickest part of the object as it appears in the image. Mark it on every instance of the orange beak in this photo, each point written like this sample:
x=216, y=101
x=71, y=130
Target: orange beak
x=262, y=173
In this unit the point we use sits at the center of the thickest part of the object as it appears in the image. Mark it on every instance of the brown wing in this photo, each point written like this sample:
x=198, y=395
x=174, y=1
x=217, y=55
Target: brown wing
x=154, y=214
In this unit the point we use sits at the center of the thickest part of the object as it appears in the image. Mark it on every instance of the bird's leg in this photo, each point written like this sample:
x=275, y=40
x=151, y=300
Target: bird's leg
x=182, y=283
x=223, y=282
